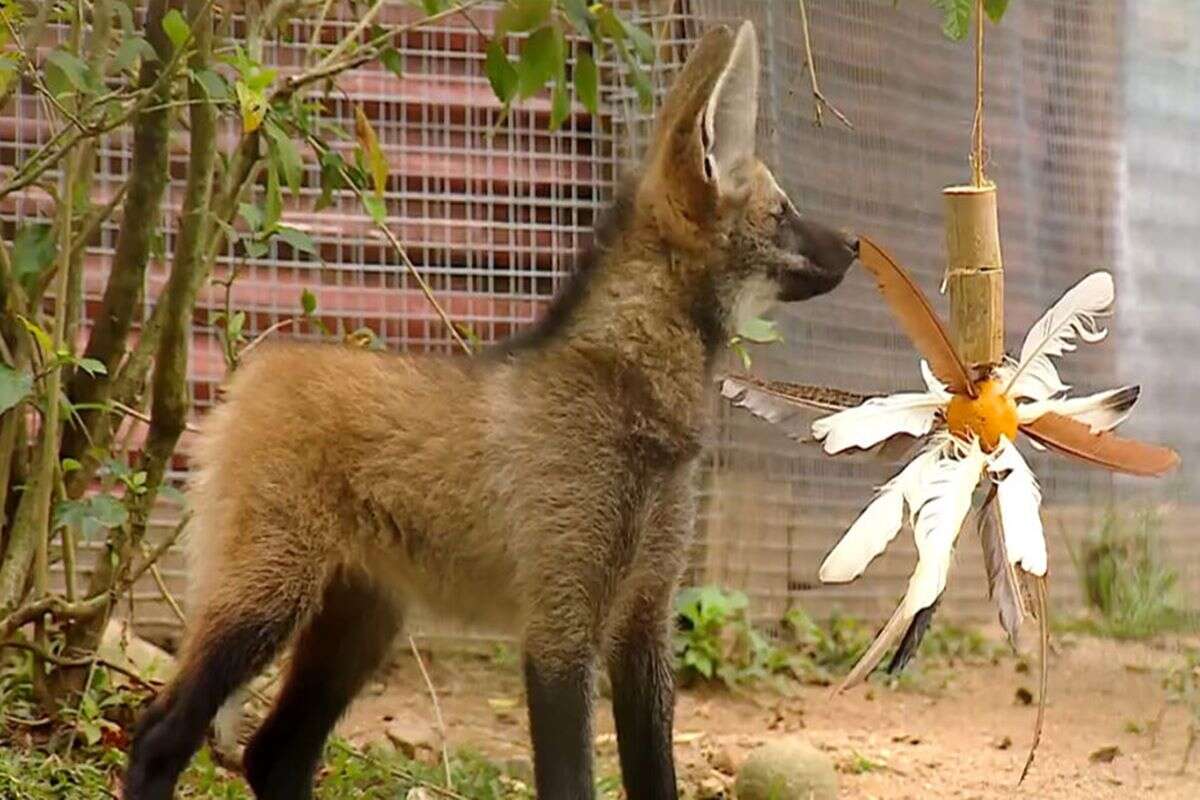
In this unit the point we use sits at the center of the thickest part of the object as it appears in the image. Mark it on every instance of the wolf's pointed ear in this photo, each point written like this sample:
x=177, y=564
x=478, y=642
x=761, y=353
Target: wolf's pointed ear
x=699, y=161
x=729, y=119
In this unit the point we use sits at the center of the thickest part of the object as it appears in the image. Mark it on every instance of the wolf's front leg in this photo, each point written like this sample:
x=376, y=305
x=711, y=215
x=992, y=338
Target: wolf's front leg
x=643, y=688
x=559, y=663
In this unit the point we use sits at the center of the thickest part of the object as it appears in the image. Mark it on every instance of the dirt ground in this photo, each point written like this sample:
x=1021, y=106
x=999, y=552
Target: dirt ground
x=957, y=732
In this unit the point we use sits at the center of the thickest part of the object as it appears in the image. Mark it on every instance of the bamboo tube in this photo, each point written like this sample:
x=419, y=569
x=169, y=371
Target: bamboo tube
x=975, y=275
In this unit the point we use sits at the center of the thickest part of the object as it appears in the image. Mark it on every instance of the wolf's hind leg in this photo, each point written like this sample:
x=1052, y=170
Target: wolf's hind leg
x=221, y=655
x=334, y=655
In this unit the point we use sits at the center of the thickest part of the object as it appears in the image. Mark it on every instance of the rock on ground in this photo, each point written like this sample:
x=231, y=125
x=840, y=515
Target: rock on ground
x=787, y=769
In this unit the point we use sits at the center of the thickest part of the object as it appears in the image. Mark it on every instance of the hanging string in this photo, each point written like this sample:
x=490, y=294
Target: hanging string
x=977, y=177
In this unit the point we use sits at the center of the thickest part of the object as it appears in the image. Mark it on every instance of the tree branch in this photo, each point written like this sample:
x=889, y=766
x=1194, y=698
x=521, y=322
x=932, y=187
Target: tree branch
x=819, y=101
x=143, y=201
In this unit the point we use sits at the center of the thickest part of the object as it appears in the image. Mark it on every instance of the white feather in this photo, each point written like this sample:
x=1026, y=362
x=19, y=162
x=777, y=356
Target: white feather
x=1073, y=316
x=877, y=419
x=1101, y=411
x=1020, y=508
x=947, y=491
x=934, y=386
x=876, y=526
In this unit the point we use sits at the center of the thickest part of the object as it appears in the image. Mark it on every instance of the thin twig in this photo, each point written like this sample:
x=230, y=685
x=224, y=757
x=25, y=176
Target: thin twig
x=59, y=608
x=367, y=53
x=166, y=593
x=142, y=416
x=399, y=248
x=257, y=340
x=977, y=176
x=437, y=709
x=819, y=100
x=59, y=661
x=143, y=97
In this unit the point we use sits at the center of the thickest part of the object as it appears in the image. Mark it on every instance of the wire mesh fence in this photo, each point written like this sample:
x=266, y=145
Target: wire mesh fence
x=1091, y=112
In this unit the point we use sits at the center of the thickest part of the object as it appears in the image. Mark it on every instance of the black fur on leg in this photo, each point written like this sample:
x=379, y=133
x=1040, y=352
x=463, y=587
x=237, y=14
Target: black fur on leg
x=173, y=728
x=643, y=684
x=334, y=655
x=560, y=719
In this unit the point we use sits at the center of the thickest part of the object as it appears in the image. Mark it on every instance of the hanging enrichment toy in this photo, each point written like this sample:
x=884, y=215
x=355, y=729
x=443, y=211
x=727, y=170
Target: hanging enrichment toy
x=977, y=403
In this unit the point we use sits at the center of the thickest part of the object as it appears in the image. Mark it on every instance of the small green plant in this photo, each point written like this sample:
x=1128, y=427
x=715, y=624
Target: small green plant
x=1127, y=582
x=825, y=650
x=858, y=764
x=715, y=640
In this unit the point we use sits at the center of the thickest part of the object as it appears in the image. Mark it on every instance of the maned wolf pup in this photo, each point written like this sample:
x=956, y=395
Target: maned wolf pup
x=545, y=486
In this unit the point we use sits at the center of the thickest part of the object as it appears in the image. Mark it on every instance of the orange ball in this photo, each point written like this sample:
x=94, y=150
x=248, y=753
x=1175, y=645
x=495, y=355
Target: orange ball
x=988, y=416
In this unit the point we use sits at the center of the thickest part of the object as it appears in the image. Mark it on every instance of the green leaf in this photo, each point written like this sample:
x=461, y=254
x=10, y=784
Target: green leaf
x=71, y=67
x=176, y=28
x=392, y=59
x=108, y=511
x=542, y=57
x=215, y=85
x=256, y=248
x=643, y=42
x=298, y=239
x=286, y=157
x=995, y=9
x=44, y=340
x=70, y=465
x=125, y=14
x=376, y=208
x=92, y=366
x=501, y=74
x=274, y=204
x=587, y=81
x=641, y=84
x=172, y=495
x=580, y=15
x=131, y=49
x=331, y=178
x=235, y=325
x=14, y=387
x=759, y=331
x=308, y=302
x=522, y=16
x=34, y=249
x=257, y=77
x=609, y=23
x=252, y=104
x=430, y=7
x=742, y=353
x=92, y=515
x=252, y=214
x=8, y=70
x=560, y=103
x=956, y=17
x=368, y=142
x=468, y=333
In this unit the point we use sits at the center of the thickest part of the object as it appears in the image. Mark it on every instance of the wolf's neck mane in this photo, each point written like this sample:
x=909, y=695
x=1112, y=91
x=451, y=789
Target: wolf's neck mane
x=610, y=227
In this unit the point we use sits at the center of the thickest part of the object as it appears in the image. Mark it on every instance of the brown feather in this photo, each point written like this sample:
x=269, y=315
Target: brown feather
x=918, y=319
x=1039, y=584
x=1002, y=579
x=893, y=630
x=822, y=398
x=787, y=405
x=1106, y=450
